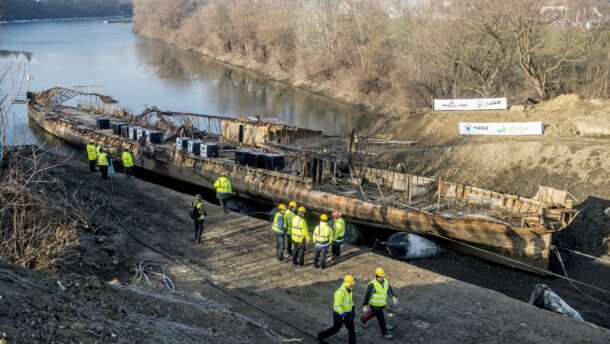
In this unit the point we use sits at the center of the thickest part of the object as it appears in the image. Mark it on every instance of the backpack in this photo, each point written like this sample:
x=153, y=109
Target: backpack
x=195, y=213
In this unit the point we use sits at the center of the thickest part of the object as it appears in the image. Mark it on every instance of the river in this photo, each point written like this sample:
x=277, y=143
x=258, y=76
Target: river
x=140, y=72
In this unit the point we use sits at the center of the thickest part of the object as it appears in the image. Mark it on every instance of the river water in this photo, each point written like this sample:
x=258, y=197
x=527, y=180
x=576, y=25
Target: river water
x=141, y=72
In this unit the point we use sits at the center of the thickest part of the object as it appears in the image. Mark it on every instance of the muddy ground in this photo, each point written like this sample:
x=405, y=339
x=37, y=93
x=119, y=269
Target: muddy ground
x=232, y=289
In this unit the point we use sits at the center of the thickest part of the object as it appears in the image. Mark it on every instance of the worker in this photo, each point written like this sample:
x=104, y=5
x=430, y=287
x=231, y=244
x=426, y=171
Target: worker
x=375, y=300
x=92, y=155
x=198, y=214
x=338, y=234
x=343, y=311
x=322, y=239
x=127, y=162
x=279, y=229
x=99, y=147
x=288, y=216
x=300, y=236
x=223, y=190
x=103, y=162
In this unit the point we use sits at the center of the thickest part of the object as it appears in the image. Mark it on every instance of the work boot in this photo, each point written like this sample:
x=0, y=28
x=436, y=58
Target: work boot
x=388, y=336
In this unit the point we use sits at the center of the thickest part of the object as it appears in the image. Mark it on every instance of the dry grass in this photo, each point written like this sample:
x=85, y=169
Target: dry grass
x=39, y=218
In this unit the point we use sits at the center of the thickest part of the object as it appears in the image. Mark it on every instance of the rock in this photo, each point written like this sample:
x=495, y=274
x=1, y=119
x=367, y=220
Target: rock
x=99, y=240
x=93, y=283
x=115, y=261
x=89, y=261
x=37, y=303
x=590, y=125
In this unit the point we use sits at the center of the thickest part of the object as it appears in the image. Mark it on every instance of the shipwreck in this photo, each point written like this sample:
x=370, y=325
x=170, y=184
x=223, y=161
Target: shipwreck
x=270, y=160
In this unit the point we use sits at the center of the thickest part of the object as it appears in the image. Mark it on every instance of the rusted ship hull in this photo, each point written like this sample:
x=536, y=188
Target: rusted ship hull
x=520, y=247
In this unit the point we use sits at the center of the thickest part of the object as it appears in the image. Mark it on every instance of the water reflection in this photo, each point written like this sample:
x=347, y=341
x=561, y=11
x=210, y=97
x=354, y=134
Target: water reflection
x=16, y=54
x=234, y=92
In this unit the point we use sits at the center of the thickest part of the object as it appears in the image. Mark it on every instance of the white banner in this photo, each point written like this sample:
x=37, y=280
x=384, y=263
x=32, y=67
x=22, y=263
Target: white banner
x=515, y=128
x=470, y=104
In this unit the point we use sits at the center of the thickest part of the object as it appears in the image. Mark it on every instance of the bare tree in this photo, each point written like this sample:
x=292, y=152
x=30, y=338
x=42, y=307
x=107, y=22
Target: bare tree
x=543, y=39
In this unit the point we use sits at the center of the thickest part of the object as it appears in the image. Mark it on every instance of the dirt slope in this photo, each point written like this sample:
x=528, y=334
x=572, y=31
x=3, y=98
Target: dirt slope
x=237, y=256
x=42, y=307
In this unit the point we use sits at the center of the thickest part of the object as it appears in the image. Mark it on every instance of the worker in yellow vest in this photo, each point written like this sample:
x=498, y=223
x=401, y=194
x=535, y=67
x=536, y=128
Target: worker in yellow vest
x=127, y=162
x=279, y=229
x=375, y=300
x=338, y=234
x=92, y=155
x=288, y=216
x=322, y=239
x=300, y=236
x=99, y=147
x=103, y=162
x=198, y=214
x=343, y=311
x=223, y=190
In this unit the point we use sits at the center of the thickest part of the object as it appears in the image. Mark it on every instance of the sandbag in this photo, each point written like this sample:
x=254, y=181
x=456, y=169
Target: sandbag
x=545, y=298
x=403, y=245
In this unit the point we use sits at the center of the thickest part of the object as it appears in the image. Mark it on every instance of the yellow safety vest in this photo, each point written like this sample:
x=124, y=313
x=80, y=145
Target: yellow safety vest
x=338, y=230
x=91, y=152
x=102, y=159
x=201, y=211
x=288, y=216
x=322, y=234
x=299, y=229
x=223, y=185
x=275, y=226
x=97, y=149
x=343, y=300
x=127, y=159
x=380, y=295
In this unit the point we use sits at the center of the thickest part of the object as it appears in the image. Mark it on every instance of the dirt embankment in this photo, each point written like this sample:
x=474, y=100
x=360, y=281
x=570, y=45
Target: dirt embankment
x=237, y=256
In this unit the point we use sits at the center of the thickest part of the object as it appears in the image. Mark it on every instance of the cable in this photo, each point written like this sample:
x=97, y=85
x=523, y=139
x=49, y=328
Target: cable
x=205, y=278
x=575, y=287
x=543, y=271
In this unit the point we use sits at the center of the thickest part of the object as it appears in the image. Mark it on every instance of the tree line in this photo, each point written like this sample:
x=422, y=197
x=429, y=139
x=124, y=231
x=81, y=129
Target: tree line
x=51, y=9
x=523, y=49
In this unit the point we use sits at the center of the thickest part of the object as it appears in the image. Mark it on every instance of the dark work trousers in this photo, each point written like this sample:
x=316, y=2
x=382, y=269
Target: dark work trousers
x=319, y=253
x=289, y=244
x=198, y=230
x=336, y=249
x=338, y=321
x=92, y=165
x=223, y=197
x=376, y=312
x=279, y=245
x=127, y=172
x=298, y=255
x=104, y=170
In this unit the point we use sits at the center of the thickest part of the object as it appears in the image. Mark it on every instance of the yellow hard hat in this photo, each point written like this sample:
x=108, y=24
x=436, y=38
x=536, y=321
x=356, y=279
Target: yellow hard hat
x=302, y=209
x=282, y=206
x=349, y=280
x=379, y=272
x=324, y=217
x=292, y=204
